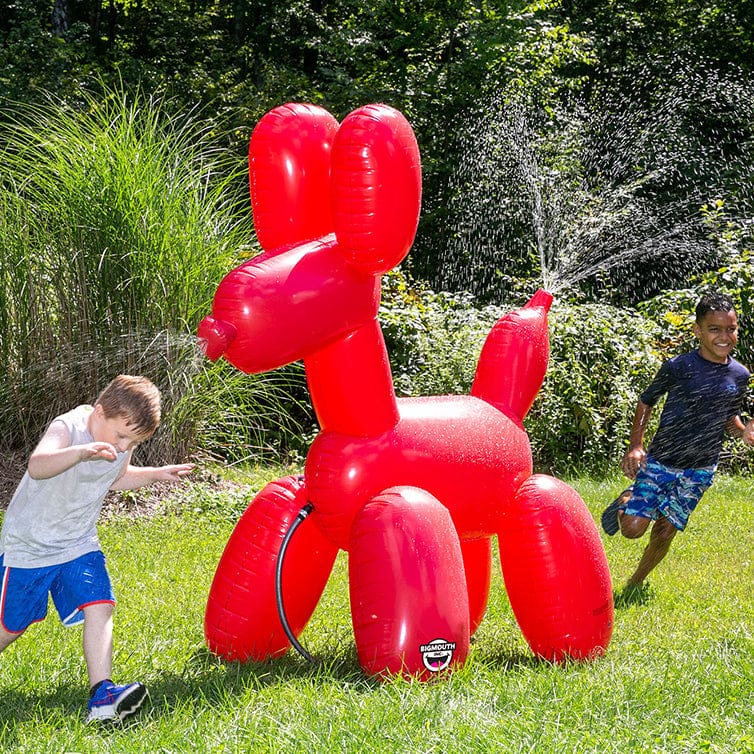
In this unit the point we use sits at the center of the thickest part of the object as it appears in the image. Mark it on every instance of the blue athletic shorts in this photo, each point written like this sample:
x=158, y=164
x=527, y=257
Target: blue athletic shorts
x=72, y=586
x=663, y=490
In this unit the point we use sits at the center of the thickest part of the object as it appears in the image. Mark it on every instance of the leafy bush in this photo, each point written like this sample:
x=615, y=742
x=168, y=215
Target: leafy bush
x=433, y=339
x=601, y=358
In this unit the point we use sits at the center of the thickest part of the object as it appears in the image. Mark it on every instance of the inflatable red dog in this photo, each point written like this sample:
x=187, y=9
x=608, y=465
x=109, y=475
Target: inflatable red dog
x=412, y=488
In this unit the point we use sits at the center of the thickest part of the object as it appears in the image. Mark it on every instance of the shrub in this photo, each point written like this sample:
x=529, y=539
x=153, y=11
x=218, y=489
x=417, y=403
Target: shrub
x=601, y=358
x=433, y=339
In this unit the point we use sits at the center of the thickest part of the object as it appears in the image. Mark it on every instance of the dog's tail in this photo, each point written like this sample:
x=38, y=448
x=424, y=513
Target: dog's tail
x=514, y=358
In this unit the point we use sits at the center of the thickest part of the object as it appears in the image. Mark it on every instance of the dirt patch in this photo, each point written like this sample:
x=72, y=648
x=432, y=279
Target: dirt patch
x=12, y=468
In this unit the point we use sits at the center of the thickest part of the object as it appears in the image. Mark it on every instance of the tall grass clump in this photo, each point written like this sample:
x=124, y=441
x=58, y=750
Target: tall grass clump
x=118, y=219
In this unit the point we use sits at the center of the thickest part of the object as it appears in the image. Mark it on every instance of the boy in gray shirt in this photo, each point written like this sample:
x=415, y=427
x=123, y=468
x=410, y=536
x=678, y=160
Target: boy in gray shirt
x=49, y=544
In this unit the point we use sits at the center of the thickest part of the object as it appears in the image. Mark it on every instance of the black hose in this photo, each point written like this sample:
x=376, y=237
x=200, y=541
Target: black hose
x=302, y=514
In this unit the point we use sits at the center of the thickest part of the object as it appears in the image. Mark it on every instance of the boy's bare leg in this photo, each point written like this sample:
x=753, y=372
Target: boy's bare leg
x=6, y=638
x=98, y=642
x=659, y=543
x=633, y=527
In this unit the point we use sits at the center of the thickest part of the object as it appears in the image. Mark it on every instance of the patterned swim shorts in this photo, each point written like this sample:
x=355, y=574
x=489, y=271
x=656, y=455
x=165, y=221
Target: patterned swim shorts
x=673, y=493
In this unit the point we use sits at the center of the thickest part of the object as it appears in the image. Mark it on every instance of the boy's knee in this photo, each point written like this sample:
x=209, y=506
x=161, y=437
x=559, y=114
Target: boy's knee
x=663, y=530
x=7, y=638
x=633, y=527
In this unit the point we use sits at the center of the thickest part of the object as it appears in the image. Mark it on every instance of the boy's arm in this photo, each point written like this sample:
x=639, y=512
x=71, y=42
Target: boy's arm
x=744, y=431
x=747, y=431
x=735, y=427
x=54, y=453
x=635, y=457
x=140, y=476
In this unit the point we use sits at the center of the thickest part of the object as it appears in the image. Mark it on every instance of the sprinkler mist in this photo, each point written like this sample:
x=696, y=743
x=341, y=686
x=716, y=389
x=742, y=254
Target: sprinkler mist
x=598, y=191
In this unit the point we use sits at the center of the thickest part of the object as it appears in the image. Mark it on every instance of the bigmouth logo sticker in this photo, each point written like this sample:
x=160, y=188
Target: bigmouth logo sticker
x=437, y=655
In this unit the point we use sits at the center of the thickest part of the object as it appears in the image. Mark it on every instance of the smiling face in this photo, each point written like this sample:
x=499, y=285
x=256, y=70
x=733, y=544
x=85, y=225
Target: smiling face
x=717, y=333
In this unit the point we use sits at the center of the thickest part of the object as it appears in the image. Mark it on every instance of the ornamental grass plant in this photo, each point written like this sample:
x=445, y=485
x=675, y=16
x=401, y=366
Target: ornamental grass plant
x=118, y=218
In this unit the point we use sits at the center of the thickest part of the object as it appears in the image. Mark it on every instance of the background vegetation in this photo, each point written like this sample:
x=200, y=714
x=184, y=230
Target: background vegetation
x=604, y=149
x=607, y=148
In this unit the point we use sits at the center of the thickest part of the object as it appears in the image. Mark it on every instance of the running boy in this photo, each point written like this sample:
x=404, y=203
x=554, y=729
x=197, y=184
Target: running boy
x=49, y=543
x=704, y=389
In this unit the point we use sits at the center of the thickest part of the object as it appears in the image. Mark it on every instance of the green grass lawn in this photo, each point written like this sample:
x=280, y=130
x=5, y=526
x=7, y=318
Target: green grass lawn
x=677, y=677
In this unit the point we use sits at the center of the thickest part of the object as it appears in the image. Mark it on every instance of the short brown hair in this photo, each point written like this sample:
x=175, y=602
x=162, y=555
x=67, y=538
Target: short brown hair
x=136, y=399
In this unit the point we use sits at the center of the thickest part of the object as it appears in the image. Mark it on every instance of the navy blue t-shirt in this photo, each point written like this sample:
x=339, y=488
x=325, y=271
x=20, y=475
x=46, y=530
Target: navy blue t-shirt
x=702, y=396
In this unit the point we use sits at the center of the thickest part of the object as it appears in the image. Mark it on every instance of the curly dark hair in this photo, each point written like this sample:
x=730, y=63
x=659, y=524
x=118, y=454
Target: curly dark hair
x=713, y=302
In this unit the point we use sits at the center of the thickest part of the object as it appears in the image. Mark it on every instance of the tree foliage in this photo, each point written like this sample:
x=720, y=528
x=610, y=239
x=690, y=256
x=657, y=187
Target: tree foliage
x=627, y=33
x=439, y=61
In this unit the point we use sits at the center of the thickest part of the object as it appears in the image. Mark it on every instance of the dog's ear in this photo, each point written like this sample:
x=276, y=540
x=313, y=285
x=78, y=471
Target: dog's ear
x=363, y=180
x=376, y=188
x=289, y=175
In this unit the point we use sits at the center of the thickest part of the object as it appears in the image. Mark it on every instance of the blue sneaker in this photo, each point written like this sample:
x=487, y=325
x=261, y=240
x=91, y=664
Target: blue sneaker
x=111, y=702
x=609, y=518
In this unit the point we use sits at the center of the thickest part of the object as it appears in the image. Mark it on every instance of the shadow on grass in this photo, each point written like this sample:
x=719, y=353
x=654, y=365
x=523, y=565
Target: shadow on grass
x=209, y=681
x=632, y=595
x=506, y=660
x=341, y=664
x=206, y=681
x=52, y=707
x=18, y=705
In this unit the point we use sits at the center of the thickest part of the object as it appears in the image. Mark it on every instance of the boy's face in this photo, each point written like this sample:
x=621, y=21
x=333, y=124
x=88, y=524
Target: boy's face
x=116, y=430
x=717, y=334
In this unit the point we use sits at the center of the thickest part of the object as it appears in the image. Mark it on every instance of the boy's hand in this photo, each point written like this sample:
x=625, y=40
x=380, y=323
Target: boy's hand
x=97, y=450
x=633, y=460
x=175, y=472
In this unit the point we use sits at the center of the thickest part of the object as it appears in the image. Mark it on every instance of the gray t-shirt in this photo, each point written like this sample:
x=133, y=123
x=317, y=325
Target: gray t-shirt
x=702, y=396
x=52, y=521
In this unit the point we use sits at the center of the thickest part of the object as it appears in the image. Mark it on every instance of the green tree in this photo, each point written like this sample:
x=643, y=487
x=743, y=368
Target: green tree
x=627, y=32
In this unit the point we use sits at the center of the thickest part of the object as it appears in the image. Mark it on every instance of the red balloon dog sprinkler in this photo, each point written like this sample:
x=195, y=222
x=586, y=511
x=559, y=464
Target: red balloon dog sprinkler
x=412, y=488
